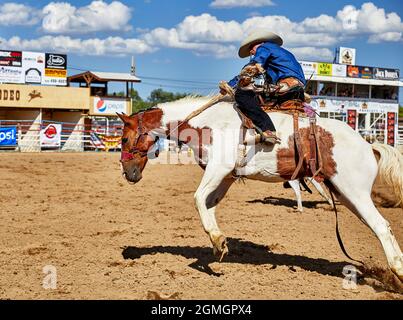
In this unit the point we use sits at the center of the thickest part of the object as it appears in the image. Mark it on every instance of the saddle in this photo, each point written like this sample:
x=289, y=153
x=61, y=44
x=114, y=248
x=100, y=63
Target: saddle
x=308, y=157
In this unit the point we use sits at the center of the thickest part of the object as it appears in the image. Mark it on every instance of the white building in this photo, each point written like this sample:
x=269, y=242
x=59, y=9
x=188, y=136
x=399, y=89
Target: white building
x=367, y=98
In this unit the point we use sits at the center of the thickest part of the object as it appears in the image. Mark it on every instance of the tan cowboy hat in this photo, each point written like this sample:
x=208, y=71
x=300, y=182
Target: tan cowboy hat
x=256, y=37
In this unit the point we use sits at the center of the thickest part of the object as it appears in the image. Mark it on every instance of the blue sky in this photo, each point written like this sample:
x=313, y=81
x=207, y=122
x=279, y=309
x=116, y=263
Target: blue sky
x=195, y=43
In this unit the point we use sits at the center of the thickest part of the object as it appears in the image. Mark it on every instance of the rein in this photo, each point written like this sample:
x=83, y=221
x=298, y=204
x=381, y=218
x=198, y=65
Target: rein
x=338, y=231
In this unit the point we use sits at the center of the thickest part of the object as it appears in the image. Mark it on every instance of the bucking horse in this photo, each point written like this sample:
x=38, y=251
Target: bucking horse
x=350, y=165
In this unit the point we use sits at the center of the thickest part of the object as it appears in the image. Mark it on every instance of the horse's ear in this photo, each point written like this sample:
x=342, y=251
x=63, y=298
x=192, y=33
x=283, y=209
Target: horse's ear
x=123, y=117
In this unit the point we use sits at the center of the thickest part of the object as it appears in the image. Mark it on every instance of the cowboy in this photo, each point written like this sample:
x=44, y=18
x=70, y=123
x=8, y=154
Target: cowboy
x=279, y=67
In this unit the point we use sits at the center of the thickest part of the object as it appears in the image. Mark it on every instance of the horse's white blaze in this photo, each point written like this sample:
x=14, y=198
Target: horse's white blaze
x=356, y=168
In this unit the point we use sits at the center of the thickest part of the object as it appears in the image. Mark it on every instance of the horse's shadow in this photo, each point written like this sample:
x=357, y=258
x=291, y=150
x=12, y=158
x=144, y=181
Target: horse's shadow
x=241, y=251
x=276, y=201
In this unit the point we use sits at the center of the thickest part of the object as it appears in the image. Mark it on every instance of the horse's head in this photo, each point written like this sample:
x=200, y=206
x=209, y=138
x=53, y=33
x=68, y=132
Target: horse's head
x=137, y=142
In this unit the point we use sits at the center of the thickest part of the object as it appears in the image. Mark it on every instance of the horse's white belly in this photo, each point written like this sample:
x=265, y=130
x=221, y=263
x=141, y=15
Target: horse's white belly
x=262, y=165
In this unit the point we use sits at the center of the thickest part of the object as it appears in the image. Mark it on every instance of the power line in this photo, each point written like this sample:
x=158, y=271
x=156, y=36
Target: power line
x=177, y=80
x=162, y=79
x=176, y=86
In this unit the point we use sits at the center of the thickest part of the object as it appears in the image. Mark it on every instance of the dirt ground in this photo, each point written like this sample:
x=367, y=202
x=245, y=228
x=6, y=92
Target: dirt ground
x=107, y=239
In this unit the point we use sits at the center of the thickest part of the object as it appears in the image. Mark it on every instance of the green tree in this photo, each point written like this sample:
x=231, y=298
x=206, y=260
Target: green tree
x=156, y=96
x=161, y=96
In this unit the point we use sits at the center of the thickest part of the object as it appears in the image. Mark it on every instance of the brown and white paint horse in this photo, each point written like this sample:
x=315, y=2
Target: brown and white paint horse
x=351, y=165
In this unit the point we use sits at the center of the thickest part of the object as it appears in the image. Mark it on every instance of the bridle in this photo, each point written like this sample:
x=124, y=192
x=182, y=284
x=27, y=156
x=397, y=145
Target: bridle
x=131, y=154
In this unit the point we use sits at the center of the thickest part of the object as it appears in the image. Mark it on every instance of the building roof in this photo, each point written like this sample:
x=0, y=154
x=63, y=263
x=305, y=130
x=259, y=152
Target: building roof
x=102, y=77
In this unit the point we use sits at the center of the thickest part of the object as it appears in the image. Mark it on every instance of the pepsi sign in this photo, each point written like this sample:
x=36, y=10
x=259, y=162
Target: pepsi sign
x=8, y=136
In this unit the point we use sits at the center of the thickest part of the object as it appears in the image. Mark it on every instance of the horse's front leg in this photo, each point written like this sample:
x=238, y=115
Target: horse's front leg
x=295, y=186
x=212, y=189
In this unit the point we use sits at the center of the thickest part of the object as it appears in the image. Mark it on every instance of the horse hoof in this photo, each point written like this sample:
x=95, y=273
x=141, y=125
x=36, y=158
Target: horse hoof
x=398, y=273
x=220, y=248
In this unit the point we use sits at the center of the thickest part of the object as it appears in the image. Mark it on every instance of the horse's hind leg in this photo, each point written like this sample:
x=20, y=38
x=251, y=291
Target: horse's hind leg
x=322, y=192
x=211, y=191
x=357, y=197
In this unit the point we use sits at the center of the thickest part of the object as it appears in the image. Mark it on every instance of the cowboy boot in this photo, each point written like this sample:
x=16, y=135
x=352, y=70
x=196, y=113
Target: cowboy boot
x=269, y=137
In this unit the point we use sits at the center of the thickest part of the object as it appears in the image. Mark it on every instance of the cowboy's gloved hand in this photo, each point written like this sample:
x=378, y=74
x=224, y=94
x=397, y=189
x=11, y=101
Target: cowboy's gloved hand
x=221, y=86
x=244, y=81
x=252, y=70
x=225, y=88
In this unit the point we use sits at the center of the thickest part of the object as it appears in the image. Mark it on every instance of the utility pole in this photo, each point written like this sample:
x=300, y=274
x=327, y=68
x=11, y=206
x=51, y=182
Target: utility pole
x=133, y=67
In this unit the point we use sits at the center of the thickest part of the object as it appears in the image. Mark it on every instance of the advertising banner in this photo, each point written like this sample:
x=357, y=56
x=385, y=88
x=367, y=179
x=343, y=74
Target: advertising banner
x=10, y=58
x=386, y=74
x=109, y=105
x=347, y=55
x=339, y=106
x=55, y=69
x=365, y=72
x=51, y=135
x=34, y=66
x=391, y=121
x=339, y=70
x=8, y=136
x=353, y=72
x=11, y=75
x=325, y=69
x=359, y=72
x=309, y=68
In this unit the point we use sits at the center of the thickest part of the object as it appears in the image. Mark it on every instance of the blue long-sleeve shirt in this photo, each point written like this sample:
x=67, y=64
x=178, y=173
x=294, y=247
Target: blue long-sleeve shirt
x=278, y=62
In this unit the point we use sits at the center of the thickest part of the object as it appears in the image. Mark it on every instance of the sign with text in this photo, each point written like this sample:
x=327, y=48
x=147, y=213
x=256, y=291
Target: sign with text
x=347, y=55
x=55, y=69
x=339, y=70
x=11, y=75
x=386, y=74
x=51, y=135
x=324, y=69
x=8, y=136
x=309, y=68
x=109, y=106
x=34, y=66
x=10, y=58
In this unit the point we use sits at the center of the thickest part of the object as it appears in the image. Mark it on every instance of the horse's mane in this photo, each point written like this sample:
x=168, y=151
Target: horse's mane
x=181, y=100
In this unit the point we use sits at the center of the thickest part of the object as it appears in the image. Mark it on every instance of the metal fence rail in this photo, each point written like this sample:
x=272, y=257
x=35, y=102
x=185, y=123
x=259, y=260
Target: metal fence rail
x=400, y=136
x=74, y=137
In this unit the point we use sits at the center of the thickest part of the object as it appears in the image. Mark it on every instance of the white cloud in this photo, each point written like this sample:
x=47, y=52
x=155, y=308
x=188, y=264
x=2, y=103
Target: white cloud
x=93, y=46
x=306, y=53
x=62, y=17
x=13, y=14
x=207, y=28
x=225, y=4
x=368, y=20
x=205, y=34
x=171, y=39
x=312, y=37
x=387, y=36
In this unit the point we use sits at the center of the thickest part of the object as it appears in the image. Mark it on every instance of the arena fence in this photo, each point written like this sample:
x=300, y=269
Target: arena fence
x=97, y=136
x=400, y=136
x=73, y=136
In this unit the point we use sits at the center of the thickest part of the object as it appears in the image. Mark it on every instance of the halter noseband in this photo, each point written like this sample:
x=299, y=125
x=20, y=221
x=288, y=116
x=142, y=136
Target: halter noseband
x=130, y=155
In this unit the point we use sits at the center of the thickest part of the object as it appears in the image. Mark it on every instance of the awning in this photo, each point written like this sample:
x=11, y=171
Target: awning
x=102, y=77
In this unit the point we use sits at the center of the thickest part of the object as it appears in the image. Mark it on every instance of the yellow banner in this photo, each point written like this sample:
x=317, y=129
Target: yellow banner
x=324, y=69
x=56, y=73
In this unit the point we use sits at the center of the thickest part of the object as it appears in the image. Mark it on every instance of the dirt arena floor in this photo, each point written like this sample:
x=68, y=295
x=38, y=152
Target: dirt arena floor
x=107, y=239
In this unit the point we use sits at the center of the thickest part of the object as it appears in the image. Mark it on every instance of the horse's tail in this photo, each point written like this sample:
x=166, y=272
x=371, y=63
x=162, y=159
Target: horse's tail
x=390, y=169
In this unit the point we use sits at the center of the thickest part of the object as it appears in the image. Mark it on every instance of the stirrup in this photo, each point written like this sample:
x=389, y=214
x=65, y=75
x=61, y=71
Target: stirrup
x=269, y=137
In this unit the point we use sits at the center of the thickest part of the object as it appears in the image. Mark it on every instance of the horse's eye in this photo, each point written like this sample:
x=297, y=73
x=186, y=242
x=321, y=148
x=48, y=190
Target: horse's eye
x=124, y=140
